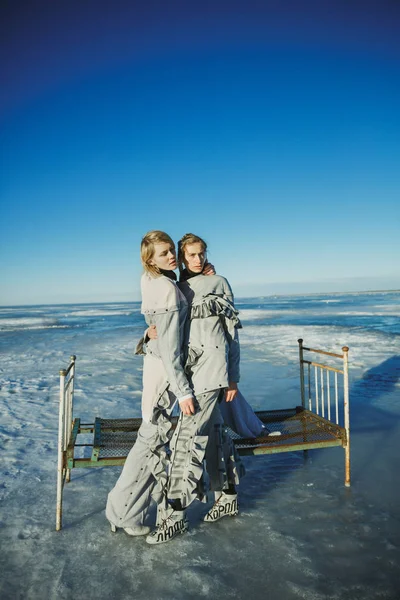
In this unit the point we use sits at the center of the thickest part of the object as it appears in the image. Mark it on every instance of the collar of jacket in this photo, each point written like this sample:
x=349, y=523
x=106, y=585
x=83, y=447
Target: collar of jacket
x=185, y=275
x=169, y=274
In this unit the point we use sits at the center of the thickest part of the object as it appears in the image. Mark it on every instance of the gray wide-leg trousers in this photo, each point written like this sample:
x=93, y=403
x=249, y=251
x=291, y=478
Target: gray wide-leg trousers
x=145, y=472
x=197, y=437
x=144, y=475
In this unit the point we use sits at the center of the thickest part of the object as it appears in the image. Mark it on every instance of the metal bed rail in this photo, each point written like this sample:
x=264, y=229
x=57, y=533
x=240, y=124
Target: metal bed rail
x=67, y=383
x=323, y=386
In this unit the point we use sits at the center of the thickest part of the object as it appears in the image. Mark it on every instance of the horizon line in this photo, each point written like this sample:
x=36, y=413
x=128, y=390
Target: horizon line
x=270, y=295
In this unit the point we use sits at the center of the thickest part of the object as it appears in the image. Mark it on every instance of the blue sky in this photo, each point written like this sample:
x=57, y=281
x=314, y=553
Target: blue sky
x=269, y=128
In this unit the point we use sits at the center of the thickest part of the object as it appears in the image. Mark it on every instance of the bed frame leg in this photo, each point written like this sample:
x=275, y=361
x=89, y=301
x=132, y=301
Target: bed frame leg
x=59, y=504
x=345, y=350
x=60, y=462
x=347, y=465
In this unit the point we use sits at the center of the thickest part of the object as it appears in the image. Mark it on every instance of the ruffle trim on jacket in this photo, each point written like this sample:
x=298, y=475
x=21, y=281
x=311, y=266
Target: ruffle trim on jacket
x=213, y=305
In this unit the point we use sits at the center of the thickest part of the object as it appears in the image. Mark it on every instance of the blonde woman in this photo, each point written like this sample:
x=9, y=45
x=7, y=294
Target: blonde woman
x=144, y=475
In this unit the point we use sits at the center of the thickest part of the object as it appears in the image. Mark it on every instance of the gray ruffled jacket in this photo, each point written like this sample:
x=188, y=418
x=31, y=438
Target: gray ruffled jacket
x=212, y=342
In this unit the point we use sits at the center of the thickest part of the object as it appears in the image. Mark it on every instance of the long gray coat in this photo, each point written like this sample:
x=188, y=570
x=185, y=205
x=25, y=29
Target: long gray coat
x=145, y=469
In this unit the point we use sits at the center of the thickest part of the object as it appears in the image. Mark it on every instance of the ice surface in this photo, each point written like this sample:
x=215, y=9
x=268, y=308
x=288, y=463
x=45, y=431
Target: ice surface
x=300, y=532
x=29, y=323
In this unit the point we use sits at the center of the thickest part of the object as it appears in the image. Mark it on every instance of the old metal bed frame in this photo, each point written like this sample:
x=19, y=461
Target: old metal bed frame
x=320, y=422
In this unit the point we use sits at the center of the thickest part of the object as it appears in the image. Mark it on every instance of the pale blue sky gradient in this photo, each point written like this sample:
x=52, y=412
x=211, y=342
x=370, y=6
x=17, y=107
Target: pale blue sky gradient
x=271, y=131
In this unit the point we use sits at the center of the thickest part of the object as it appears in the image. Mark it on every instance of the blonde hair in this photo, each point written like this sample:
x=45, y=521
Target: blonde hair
x=147, y=249
x=188, y=238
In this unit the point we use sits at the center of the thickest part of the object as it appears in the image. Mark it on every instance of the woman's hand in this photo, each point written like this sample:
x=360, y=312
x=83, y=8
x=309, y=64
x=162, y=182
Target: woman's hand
x=187, y=407
x=231, y=392
x=151, y=332
x=208, y=269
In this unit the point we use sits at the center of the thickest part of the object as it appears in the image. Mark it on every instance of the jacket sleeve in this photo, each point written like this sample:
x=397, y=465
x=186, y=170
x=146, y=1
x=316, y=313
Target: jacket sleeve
x=233, y=341
x=168, y=339
x=160, y=305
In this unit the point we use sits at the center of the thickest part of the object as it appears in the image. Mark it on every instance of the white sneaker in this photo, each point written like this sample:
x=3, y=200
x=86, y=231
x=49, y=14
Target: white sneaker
x=172, y=523
x=224, y=506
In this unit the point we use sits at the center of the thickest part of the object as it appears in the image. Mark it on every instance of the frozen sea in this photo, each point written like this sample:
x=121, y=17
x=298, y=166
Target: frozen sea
x=300, y=533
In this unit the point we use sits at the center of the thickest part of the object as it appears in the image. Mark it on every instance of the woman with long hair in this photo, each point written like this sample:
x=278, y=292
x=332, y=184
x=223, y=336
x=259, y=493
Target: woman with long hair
x=144, y=475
